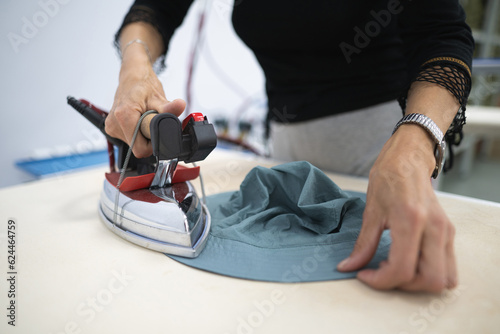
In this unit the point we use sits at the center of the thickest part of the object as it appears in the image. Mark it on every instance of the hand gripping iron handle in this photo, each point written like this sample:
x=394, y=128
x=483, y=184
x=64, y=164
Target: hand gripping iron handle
x=191, y=141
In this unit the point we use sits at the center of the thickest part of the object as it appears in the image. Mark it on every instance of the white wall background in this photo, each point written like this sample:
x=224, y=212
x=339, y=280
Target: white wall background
x=69, y=51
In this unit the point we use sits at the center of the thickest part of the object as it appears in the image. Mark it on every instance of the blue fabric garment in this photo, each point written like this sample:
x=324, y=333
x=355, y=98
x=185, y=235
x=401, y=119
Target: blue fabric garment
x=289, y=223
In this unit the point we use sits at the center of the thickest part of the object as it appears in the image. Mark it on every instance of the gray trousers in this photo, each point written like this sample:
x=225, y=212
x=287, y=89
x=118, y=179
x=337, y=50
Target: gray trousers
x=347, y=143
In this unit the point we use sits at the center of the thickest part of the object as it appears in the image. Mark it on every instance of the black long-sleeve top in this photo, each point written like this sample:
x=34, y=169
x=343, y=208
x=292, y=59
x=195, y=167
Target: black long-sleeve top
x=325, y=57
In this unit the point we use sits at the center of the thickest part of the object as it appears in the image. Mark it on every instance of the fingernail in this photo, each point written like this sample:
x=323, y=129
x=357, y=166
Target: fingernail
x=364, y=275
x=342, y=264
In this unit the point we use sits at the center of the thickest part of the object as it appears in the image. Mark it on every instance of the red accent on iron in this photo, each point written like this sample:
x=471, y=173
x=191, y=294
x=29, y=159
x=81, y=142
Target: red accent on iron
x=183, y=174
x=99, y=110
x=197, y=117
x=132, y=183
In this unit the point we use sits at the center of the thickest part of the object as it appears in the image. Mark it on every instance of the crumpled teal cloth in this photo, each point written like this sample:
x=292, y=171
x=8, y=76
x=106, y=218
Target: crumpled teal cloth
x=289, y=223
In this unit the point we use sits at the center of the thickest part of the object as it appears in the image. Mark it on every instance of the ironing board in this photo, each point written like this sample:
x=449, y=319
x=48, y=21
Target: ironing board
x=75, y=276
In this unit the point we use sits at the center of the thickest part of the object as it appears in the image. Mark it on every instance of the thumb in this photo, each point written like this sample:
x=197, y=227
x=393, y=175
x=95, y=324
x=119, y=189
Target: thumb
x=175, y=107
x=365, y=246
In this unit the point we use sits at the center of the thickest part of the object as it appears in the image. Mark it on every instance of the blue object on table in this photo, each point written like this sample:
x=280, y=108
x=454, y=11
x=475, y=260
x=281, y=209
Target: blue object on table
x=54, y=165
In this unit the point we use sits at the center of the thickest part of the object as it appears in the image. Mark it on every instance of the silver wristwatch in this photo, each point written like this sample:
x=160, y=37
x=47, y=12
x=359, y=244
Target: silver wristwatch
x=435, y=133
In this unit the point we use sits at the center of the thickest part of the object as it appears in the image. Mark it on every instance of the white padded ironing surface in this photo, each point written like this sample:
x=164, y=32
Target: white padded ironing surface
x=75, y=276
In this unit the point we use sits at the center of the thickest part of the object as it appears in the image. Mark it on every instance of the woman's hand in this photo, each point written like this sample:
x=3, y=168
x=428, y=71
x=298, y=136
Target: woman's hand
x=139, y=89
x=400, y=197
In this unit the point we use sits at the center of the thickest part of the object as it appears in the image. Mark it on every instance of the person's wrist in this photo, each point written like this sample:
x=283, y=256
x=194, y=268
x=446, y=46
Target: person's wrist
x=415, y=147
x=140, y=42
x=135, y=55
x=135, y=65
x=434, y=132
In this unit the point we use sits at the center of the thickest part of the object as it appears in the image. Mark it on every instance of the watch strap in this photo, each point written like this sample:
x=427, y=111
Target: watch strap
x=434, y=131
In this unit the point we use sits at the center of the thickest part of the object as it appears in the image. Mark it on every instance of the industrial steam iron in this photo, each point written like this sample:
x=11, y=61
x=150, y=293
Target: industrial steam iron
x=150, y=201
